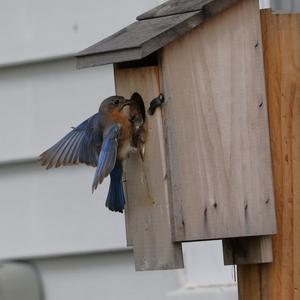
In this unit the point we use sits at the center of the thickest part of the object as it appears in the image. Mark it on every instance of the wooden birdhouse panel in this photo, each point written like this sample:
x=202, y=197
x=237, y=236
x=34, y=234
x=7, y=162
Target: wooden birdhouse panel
x=217, y=129
x=247, y=250
x=148, y=219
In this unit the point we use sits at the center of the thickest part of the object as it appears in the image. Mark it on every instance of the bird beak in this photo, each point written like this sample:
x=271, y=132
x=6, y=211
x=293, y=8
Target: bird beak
x=126, y=102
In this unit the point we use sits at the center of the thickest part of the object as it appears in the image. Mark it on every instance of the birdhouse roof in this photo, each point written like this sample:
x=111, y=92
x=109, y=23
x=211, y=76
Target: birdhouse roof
x=152, y=31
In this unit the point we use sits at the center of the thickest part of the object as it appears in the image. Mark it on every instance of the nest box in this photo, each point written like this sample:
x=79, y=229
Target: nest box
x=207, y=169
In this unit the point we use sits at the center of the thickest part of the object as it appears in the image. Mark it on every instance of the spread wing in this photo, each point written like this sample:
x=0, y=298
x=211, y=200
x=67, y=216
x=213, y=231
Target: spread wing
x=81, y=145
x=108, y=154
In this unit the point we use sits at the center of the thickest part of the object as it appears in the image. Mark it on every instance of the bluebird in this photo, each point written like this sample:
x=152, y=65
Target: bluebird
x=102, y=141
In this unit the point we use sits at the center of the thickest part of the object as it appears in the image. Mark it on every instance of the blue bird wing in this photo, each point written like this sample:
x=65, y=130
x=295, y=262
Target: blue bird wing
x=108, y=154
x=81, y=145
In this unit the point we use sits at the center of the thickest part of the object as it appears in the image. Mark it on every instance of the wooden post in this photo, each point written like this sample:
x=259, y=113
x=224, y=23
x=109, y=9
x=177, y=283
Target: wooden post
x=281, y=279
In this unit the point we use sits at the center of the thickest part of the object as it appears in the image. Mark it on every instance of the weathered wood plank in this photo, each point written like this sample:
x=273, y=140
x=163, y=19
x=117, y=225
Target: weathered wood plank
x=281, y=279
x=138, y=40
x=147, y=207
x=215, y=7
x=136, y=34
x=144, y=37
x=174, y=7
x=247, y=250
x=93, y=60
x=217, y=129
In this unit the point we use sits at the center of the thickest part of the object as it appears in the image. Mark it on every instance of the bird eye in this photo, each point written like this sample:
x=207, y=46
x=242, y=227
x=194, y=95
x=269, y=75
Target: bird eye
x=116, y=102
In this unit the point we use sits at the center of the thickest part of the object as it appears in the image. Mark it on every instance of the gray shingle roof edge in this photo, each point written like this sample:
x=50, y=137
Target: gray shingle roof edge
x=153, y=30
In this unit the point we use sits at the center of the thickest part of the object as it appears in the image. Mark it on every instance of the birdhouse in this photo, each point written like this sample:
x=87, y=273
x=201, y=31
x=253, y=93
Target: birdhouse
x=206, y=169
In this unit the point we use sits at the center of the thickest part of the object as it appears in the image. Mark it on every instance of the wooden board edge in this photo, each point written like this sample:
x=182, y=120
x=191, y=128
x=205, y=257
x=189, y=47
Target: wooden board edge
x=247, y=250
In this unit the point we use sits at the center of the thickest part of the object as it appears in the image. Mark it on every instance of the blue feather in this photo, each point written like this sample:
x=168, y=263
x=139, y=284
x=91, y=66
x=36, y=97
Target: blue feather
x=108, y=155
x=115, y=200
x=81, y=145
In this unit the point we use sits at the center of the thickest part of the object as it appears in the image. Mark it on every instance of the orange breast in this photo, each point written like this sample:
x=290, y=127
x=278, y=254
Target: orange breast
x=120, y=118
x=125, y=135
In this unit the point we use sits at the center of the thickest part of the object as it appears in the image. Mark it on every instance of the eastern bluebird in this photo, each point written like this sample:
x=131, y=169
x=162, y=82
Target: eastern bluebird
x=102, y=141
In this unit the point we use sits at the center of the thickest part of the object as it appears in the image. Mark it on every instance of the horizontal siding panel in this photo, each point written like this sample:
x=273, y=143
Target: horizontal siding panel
x=287, y=6
x=40, y=102
x=96, y=277
x=54, y=212
x=33, y=29
x=106, y=276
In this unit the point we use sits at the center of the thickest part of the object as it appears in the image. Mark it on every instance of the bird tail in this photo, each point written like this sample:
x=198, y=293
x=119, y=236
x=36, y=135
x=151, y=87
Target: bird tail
x=115, y=200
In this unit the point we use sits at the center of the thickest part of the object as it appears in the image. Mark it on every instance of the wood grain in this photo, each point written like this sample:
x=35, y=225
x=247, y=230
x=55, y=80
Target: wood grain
x=250, y=287
x=175, y=7
x=138, y=40
x=147, y=207
x=247, y=250
x=281, y=42
x=148, y=35
x=217, y=129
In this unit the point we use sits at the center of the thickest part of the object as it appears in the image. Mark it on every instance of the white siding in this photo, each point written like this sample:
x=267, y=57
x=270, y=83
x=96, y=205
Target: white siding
x=112, y=276
x=37, y=29
x=285, y=6
x=204, y=265
x=264, y=4
x=281, y=6
x=40, y=102
x=54, y=212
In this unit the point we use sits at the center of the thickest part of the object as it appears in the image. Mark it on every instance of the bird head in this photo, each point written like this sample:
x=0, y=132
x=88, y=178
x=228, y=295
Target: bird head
x=113, y=103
